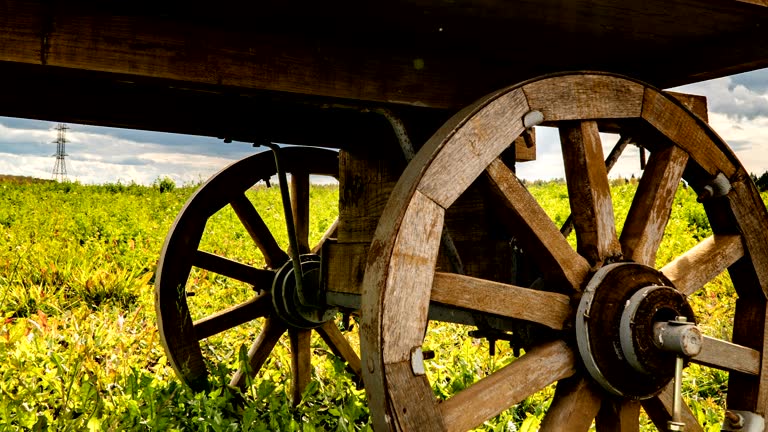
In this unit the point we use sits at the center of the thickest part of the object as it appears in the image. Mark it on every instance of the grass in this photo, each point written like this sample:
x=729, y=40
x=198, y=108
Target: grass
x=79, y=347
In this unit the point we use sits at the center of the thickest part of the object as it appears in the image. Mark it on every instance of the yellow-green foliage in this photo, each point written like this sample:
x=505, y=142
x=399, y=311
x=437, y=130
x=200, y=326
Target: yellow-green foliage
x=79, y=348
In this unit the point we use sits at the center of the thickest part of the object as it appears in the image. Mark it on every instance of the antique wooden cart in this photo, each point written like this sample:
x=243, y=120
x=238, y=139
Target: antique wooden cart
x=419, y=100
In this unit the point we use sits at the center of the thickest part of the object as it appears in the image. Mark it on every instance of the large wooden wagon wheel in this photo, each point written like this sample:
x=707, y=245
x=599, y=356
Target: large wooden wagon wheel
x=602, y=299
x=275, y=297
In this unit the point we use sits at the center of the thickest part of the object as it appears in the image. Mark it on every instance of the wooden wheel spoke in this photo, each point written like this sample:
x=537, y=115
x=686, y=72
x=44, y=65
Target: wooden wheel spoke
x=690, y=271
x=659, y=409
x=537, y=233
x=340, y=346
x=652, y=205
x=618, y=415
x=493, y=394
x=300, y=207
x=728, y=356
x=259, y=278
x=588, y=191
x=259, y=352
x=574, y=406
x=301, y=362
x=610, y=161
x=257, y=307
x=257, y=229
x=329, y=233
x=549, y=309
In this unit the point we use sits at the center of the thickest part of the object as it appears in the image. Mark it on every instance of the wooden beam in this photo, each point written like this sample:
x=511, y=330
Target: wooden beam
x=549, y=309
x=493, y=394
x=704, y=262
x=728, y=356
x=442, y=56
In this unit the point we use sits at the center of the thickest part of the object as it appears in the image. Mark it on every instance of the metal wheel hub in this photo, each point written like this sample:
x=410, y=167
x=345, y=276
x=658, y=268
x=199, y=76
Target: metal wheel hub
x=305, y=309
x=615, y=328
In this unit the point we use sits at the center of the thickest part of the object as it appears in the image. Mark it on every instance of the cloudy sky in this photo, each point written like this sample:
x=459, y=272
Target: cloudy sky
x=738, y=111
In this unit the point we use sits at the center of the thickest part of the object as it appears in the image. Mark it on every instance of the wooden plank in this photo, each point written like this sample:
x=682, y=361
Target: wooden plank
x=257, y=307
x=410, y=281
x=274, y=256
x=752, y=217
x=340, y=346
x=702, y=263
x=414, y=405
x=659, y=409
x=728, y=356
x=299, y=186
x=696, y=103
x=618, y=415
x=688, y=132
x=345, y=266
x=523, y=153
x=365, y=183
x=259, y=353
x=539, y=235
x=648, y=216
x=261, y=279
x=546, y=308
x=574, y=406
x=585, y=96
x=493, y=394
x=301, y=362
x=468, y=152
x=746, y=391
x=589, y=192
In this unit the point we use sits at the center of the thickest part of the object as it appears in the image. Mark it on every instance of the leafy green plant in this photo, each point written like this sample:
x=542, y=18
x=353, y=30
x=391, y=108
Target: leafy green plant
x=79, y=348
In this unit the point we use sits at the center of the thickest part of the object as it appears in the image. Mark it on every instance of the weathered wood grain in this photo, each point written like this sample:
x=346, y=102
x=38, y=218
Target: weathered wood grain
x=728, y=356
x=257, y=307
x=299, y=185
x=746, y=391
x=259, y=352
x=659, y=409
x=690, y=271
x=404, y=318
x=301, y=362
x=345, y=266
x=493, y=394
x=697, y=104
x=687, y=132
x=414, y=406
x=588, y=191
x=618, y=415
x=261, y=279
x=585, y=96
x=536, y=230
x=365, y=183
x=752, y=217
x=523, y=153
x=648, y=216
x=469, y=151
x=574, y=406
x=274, y=256
x=549, y=309
x=340, y=346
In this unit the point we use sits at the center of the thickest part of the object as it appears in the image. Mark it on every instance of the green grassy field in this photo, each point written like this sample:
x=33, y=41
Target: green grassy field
x=79, y=348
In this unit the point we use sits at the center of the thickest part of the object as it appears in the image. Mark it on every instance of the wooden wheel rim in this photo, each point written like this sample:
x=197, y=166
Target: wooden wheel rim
x=400, y=270
x=177, y=331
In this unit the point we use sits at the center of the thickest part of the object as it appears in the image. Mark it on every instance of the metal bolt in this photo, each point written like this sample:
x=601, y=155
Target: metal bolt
x=417, y=361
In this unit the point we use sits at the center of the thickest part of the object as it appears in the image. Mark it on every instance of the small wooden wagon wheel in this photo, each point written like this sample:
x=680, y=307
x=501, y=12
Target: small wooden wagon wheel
x=275, y=296
x=603, y=299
